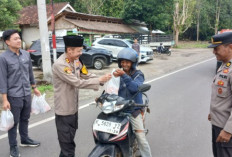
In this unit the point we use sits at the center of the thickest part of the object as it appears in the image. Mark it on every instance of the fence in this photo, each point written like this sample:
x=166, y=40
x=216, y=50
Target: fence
x=144, y=38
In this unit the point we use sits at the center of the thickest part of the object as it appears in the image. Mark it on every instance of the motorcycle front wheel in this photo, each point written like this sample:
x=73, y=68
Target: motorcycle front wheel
x=118, y=153
x=169, y=53
x=135, y=149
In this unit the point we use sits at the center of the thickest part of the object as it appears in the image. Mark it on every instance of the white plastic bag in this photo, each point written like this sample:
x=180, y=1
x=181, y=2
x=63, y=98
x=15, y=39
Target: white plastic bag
x=39, y=104
x=7, y=120
x=35, y=108
x=112, y=86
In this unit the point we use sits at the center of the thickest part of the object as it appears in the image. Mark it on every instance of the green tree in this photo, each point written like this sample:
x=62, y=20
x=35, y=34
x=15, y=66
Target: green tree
x=113, y=8
x=155, y=13
x=25, y=3
x=182, y=17
x=9, y=13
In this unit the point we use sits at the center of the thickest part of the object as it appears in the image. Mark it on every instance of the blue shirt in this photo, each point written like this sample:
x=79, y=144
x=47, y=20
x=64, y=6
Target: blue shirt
x=16, y=75
x=129, y=87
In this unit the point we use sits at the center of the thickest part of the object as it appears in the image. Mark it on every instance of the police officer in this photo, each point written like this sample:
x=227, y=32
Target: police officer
x=69, y=75
x=221, y=97
x=16, y=80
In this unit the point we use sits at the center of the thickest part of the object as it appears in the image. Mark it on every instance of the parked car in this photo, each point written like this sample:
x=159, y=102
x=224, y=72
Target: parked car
x=91, y=57
x=116, y=45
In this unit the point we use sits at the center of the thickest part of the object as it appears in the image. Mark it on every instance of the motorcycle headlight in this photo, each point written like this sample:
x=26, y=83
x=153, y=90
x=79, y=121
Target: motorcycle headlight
x=110, y=107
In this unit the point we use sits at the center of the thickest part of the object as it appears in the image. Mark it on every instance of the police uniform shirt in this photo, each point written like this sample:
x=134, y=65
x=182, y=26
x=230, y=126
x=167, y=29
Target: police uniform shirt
x=221, y=98
x=67, y=79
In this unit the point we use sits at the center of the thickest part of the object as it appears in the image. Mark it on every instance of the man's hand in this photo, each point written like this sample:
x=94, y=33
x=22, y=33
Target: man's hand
x=5, y=105
x=209, y=117
x=37, y=92
x=223, y=137
x=105, y=78
x=118, y=72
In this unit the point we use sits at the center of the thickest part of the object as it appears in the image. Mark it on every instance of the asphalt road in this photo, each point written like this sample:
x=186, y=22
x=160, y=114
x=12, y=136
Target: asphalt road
x=178, y=126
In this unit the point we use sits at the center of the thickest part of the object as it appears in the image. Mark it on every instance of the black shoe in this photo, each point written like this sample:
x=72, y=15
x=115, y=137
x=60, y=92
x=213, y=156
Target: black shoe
x=29, y=143
x=62, y=155
x=14, y=151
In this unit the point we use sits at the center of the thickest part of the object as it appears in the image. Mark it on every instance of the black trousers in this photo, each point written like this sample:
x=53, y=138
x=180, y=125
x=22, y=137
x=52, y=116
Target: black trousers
x=21, y=109
x=220, y=149
x=66, y=130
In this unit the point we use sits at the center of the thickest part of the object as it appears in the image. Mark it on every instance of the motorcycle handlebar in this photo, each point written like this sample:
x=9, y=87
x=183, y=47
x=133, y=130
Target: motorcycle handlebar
x=133, y=104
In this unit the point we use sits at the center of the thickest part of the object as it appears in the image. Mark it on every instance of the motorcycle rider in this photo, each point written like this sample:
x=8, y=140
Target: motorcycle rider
x=130, y=80
x=161, y=48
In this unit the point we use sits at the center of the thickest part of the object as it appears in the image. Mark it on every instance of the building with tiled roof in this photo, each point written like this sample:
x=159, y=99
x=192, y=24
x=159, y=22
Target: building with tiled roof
x=29, y=23
x=67, y=19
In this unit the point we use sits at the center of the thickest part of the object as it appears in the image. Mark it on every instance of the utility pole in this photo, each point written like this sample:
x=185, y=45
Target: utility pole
x=53, y=32
x=43, y=28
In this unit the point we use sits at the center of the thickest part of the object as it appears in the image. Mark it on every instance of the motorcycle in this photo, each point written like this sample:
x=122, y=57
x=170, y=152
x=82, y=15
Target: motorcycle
x=112, y=131
x=164, y=50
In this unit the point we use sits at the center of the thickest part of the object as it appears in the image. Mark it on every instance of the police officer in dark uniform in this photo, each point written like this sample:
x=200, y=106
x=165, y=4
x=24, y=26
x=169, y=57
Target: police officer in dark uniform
x=221, y=97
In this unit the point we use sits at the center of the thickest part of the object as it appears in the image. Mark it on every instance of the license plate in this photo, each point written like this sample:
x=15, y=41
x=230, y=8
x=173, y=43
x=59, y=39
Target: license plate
x=107, y=126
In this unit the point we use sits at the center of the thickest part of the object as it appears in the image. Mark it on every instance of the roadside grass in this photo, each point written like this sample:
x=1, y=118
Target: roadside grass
x=192, y=44
x=45, y=88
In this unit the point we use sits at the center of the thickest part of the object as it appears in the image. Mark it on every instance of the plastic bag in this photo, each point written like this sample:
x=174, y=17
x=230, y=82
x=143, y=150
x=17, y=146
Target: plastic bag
x=112, y=86
x=39, y=104
x=7, y=120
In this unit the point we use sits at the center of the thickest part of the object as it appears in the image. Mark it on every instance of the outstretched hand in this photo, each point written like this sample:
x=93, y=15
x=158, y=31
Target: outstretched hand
x=105, y=78
x=118, y=72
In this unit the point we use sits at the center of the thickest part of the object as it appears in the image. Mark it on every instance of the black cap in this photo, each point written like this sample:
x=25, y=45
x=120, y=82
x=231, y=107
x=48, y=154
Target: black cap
x=220, y=39
x=73, y=41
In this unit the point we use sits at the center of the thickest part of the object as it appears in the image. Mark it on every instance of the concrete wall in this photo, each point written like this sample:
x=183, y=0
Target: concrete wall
x=3, y=46
x=30, y=34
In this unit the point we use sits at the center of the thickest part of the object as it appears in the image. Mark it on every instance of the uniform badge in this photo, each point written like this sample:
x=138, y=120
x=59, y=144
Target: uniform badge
x=220, y=83
x=67, y=70
x=77, y=63
x=228, y=64
x=225, y=71
x=219, y=90
x=67, y=60
x=84, y=70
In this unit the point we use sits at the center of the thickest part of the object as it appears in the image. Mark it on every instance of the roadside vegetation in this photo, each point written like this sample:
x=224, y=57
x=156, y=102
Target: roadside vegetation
x=189, y=19
x=45, y=88
x=192, y=44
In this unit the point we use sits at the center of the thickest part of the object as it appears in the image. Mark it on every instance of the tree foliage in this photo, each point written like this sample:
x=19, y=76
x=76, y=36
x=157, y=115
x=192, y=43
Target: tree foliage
x=205, y=17
x=182, y=16
x=113, y=8
x=207, y=20
x=9, y=13
x=155, y=13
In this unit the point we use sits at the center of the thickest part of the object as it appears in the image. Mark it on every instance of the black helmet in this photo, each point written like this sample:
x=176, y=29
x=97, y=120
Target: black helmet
x=128, y=54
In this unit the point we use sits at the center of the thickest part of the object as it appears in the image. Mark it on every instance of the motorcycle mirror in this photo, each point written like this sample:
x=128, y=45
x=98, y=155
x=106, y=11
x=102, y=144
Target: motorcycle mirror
x=144, y=88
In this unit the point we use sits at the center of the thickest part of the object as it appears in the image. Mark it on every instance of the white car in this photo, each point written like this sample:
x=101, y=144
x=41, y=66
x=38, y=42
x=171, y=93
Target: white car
x=116, y=45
